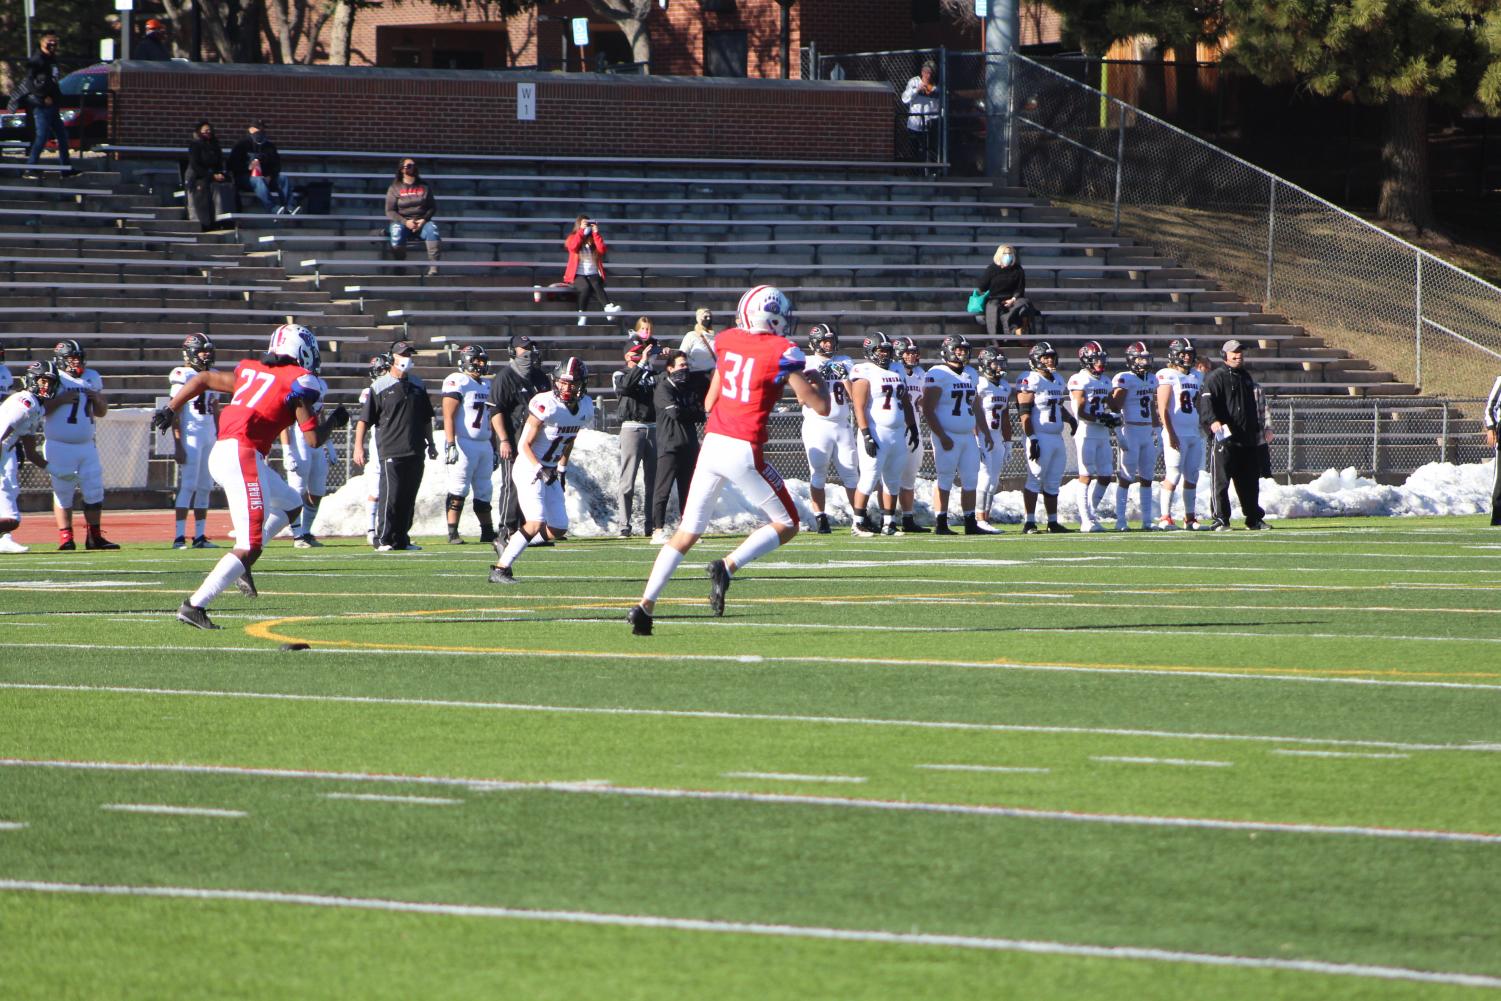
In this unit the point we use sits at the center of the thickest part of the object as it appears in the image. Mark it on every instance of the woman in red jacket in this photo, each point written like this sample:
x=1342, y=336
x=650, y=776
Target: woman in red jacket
x=586, y=266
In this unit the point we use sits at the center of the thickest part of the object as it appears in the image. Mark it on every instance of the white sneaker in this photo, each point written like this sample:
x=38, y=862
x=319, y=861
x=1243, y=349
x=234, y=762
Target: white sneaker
x=583, y=319
x=659, y=538
x=302, y=543
x=383, y=548
x=610, y=307
x=9, y=545
x=1166, y=524
x=1093, y=527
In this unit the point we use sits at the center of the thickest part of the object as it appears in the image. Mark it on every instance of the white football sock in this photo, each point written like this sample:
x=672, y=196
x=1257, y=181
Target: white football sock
x=1086, y=512
x=661, y=571
x=372, y=516
x=1122, y=501
x=182, y=526
x=517, y=542
x=1146, y=503
x=274, y=523
x=756, y=545
x=1097, y=494
x=225, y=572
x=201, y=519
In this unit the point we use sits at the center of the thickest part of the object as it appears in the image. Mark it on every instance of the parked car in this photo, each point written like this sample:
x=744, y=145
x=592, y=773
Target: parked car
x=85, y=110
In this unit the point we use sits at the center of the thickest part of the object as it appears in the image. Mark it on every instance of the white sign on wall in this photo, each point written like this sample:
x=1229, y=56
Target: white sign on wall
x=526, y=102
x=581, y=31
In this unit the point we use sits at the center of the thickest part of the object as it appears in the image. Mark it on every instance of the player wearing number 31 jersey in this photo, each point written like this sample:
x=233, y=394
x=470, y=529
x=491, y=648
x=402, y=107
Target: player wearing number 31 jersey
x=753, y=359
x=268, y=396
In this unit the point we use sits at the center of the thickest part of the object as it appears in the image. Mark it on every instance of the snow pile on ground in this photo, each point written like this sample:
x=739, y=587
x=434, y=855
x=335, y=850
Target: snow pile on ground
x=593, y=479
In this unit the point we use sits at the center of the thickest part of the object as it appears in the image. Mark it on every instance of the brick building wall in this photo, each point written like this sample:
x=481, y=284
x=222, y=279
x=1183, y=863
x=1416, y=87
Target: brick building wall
x=456, y=111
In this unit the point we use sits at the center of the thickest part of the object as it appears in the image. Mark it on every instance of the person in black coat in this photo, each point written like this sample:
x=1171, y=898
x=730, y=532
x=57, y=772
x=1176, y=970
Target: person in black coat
x=1232, y=423
x=256, y=165
x=402, y=413
x=1007, y=310
x=511, y=391
x=635, y=387
x=43, y=98
x=206, y=168
x=679, y=412
x=153, y=46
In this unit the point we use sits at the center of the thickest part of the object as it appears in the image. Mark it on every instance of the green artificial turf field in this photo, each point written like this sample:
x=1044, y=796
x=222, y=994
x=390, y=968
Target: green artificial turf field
x=1245, y=765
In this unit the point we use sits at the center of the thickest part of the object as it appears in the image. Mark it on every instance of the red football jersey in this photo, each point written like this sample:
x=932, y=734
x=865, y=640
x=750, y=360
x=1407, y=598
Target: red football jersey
x=262, y=406
x=752, y=368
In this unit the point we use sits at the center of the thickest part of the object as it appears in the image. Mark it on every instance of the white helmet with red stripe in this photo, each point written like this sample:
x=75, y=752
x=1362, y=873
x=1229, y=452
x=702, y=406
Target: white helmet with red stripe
x=765, y=310
x=295, y=343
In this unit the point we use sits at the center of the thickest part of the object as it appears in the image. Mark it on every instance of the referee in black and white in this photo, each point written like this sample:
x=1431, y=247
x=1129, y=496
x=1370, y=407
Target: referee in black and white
x=1233, y=428
x=402, y=414
x=1492, y=422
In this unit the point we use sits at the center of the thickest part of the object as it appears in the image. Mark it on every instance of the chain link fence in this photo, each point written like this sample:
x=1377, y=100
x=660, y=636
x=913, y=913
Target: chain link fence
x=1430, y=324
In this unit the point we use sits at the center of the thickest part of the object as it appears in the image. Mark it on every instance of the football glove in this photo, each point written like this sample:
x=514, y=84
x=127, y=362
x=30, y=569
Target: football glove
x=163, y=419
x=912, y=438
x=547, y=474
x=1071, y=421
x=450, y=453
x=338, y=417
x=871, y=448
x=432, y=450
x=1034, y=449
x=1109, y=419
x=563, y=478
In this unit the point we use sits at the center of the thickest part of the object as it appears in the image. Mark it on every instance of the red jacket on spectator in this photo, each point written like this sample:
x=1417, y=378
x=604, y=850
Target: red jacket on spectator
x=574, y=241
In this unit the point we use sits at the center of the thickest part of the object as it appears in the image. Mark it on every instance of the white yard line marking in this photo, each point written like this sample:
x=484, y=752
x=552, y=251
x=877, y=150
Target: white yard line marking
x=68, y=585
x=366, y=797
x=1186, y=672
x=597, y=787
x=997, y=769
x=1146, y=954
x=753, y=717
x=1184, y=762
x=1334, y=754
x=11, y=825
x=179, y=811
x=793, y=777
x=1120, y=631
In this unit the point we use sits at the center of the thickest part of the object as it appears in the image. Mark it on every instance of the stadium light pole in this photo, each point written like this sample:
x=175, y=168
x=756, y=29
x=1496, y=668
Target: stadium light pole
x=1002, y=29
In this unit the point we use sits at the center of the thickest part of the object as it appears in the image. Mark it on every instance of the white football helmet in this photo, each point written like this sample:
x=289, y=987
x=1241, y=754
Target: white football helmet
x=765, y=310
x=296, y=343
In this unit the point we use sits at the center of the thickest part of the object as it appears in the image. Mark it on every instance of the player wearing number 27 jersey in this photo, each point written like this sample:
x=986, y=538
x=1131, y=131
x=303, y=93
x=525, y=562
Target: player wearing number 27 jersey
x=268, y=396
x=754, y=359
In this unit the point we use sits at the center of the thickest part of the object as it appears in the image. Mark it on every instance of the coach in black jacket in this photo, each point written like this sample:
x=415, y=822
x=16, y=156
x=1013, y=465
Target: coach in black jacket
x=1232, y=424
x=511, y=391
x=401, y=412
x=679, y=412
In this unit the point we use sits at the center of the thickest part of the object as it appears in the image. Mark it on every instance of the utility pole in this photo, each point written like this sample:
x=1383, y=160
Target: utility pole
x=1002, y=31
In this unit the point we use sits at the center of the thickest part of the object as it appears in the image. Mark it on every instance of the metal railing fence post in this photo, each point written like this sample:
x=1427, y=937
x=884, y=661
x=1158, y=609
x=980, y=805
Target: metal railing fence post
x=943, y=90
x=1417, y=311
x=1271, y=238
x=1120, y=159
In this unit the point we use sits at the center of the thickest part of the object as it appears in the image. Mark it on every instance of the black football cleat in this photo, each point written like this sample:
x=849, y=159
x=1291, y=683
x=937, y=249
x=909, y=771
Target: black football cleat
x=502, y=575
x=99, y=542
x=67, y=547
x=195, y=616
x=909, y=524
x=640, y=620
x=941, y=526
x=1030, y=528
x=1056, y=529
x=245, y=584
x=719, y=583
x=821, y=525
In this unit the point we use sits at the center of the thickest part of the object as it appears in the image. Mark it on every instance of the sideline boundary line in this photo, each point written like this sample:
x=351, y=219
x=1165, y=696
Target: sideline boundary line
x=770, y=930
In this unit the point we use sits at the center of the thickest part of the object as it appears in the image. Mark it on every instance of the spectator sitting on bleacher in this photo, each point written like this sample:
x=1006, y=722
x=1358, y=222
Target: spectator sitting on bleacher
x=586, y=266
x=1007, y=311
x=410, y=206
x=698, y=345
x=207, y=178
x=256, y=166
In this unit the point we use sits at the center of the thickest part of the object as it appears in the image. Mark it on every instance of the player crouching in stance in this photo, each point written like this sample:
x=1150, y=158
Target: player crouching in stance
x=995, y=408
x=958, y=429
x=1042, y=399
x=269, y=395
x=469, y=441
x=754, y=358
x=1090, y=396
x=192, y=439
x=21, y=417
x=553, y=421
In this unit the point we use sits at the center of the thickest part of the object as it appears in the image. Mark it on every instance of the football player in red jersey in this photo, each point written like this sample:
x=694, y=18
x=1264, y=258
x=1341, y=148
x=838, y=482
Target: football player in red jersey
x=269, y=395
x=754, y=359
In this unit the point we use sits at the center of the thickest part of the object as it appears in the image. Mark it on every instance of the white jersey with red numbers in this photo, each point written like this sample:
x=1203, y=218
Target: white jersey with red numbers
x=20, y=415
x=752, y=369
x=264, y=402
x=888, y=388
x=473, y=419
x=839, y=399
x=1049, y=397
x=994, y=397
x=197, y=418
x=559, y=426
x=955, y=408
x=1096, y=390
x=1140, y=404
x=72, y=422
x=1184, y=412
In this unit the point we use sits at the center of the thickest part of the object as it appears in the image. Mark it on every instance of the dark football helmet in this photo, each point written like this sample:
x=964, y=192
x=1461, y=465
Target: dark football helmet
x=992, y=364
x=1040, y=351
x=878, y=348
x=474, y=360
x=1092, y=357
x=41, y=379
x=1139, y=357
x=1181, y=353
x=379, y=365
x=568, y=382
x=198, y=352
x=819, y=333
x=954, y=350
x=69, y=357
